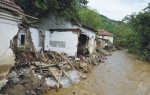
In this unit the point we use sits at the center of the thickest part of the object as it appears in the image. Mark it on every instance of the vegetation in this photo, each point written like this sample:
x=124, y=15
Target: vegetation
x=90, y=17
x=22, y=48
x=140, y=39
x=108, y=24
x=42, y=8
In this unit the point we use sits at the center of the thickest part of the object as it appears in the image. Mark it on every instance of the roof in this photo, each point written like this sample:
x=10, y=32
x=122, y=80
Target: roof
x=65, y=29
x=85, y=26
x=10, y=6
x=102, y=32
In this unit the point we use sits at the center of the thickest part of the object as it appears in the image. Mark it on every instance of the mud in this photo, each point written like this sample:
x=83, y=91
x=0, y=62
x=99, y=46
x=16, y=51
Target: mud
x=4, y=68
x=121, y=74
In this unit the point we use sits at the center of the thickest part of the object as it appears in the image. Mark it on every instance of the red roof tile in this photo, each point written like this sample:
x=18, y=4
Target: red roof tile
x=102, y=32
x=10, y=6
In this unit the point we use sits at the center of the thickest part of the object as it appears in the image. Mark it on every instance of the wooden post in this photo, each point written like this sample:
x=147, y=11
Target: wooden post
x=59, y=80
x=65, y=73
x=54, y=75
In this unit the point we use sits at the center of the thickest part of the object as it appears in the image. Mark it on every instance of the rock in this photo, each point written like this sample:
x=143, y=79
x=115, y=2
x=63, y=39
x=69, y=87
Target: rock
x=74, y=92
x=39, y=76
x=12, y=74
x=21, y=88
x=93, y=60
x=15, y=80
x=32, y=92
x=68, y=67
x=83, y=65
x=83, y=76
x=38, y=63
x=84, y=68
x=81, y=57
x=114, y=48
x=77, y=59
x=76, y=65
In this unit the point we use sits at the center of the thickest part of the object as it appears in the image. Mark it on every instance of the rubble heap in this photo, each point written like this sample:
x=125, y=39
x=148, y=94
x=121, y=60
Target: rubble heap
x=35, y=73
x=50, y=71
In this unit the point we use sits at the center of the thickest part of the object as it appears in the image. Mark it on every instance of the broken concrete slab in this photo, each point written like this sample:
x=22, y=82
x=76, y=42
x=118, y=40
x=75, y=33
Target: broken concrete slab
x=64, y=80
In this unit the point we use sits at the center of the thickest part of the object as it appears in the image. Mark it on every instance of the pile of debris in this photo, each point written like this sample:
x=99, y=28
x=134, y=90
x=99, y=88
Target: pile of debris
x=50, y=70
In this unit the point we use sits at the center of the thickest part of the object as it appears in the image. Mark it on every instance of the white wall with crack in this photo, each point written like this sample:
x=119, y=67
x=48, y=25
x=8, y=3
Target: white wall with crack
x=8, y=29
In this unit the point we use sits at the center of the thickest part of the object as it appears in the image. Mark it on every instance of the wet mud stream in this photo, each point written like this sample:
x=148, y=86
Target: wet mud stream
x=121, y=74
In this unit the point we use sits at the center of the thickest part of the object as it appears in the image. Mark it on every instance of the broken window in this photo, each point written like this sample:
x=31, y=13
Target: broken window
x=22, y=40
x=83, y=39
x=60, y=44
x=82, y=45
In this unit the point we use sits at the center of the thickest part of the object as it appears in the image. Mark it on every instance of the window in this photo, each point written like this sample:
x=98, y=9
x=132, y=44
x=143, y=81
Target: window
x=22, y=40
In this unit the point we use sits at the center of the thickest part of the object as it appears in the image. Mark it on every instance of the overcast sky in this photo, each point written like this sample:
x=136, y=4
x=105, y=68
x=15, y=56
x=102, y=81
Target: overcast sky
x=118, y=9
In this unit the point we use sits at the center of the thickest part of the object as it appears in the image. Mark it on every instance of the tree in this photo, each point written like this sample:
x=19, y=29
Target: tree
x=42, y=8
x=90, y=17
x=83, y=2
x=141, y=39
x=122, y=33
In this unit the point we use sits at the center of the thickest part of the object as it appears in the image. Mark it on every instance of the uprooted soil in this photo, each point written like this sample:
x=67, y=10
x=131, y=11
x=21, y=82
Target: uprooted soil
x=27, y=85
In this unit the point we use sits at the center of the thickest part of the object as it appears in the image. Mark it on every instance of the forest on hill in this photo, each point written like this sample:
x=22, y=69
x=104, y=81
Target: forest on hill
x=133, y=32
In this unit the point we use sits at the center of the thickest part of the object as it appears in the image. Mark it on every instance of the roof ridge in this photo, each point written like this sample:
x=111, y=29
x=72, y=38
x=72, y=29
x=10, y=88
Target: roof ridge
x=104, y=33
x=11, y=6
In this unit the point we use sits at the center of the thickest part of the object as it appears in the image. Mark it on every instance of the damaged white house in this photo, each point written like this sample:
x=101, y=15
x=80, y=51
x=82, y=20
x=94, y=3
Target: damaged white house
x=105, y=37
x=71, y=42
x=61, y=37
x=10, y=17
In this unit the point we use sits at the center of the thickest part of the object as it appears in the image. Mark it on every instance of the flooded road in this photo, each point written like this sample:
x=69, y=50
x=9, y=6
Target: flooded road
x=121, y=74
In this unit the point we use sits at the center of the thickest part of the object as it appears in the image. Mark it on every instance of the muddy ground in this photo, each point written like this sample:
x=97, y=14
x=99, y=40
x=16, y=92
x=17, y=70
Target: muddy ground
x=121, y=74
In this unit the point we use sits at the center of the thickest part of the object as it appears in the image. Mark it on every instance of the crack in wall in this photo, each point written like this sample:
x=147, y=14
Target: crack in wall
x=4, y=55
x=4, y=60
x=5, y=52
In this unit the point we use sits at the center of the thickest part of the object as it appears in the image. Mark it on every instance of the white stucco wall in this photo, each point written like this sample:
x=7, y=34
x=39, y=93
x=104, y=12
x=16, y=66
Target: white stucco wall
x=8, y=29
x=107, y=37
x=111, y=39
x=56, y=41
x=91, y=35
x=61, y=42
x=52, y=23
x=35, y=38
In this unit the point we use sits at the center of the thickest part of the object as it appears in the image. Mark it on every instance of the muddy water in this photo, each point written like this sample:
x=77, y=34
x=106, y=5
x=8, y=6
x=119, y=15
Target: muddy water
x=121, y=74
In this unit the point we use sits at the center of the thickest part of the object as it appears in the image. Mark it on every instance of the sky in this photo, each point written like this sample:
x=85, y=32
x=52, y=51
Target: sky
x=118, y=9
